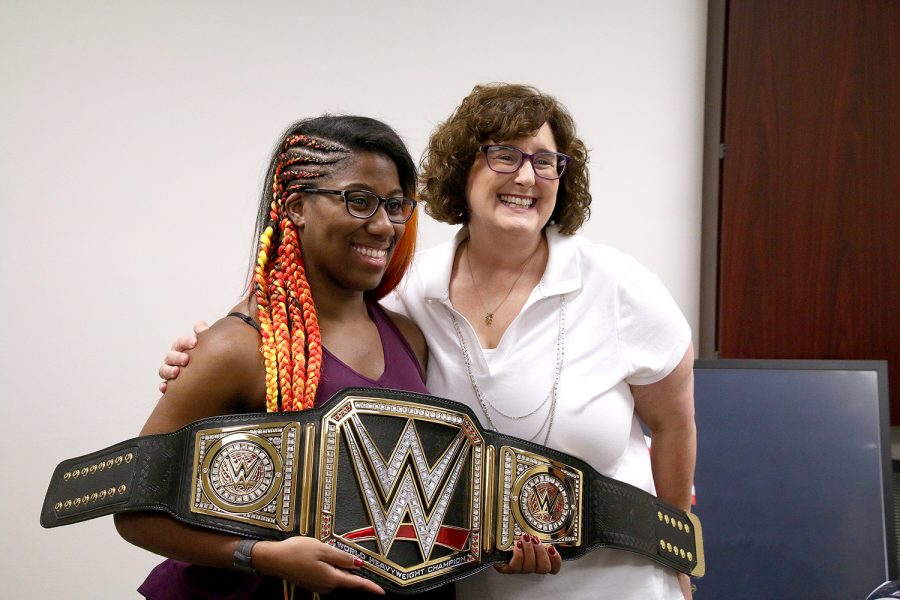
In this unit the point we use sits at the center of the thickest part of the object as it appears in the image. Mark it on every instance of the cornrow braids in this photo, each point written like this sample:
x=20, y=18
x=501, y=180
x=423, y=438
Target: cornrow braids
x=291, y=340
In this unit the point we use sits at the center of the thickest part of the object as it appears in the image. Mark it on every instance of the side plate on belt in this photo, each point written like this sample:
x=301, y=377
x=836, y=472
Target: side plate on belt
x=246, y=474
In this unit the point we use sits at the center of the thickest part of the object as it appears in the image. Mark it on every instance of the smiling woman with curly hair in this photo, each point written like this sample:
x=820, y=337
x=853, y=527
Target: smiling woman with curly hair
x=502, y=112
x=546, y=335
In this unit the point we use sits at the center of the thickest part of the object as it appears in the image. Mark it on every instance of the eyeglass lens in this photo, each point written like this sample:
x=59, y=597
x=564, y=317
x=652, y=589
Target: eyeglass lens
x=363, y=204
x=506, y=159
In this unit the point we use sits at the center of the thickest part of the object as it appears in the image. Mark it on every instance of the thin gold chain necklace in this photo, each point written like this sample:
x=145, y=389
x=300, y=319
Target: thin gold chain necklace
x=489, y=314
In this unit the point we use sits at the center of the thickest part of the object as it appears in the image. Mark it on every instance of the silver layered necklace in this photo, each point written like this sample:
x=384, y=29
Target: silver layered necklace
x=554, y=389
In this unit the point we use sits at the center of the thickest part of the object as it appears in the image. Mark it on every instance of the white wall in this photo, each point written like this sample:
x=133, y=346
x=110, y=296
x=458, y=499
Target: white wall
x=133, y=139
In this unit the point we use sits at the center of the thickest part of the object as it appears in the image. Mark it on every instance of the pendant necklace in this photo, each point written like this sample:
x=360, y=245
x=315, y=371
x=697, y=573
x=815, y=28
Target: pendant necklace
x=489, y=314
x=547, y=425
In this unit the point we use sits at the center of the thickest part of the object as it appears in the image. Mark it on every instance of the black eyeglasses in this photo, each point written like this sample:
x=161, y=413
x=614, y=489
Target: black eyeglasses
x=362, y=204
x=508, y=159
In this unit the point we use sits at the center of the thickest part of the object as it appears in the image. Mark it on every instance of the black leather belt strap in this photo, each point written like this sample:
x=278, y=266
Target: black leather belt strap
x=410, y=483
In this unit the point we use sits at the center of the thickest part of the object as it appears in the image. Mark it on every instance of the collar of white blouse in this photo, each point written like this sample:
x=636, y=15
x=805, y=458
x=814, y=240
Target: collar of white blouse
x=562, y=275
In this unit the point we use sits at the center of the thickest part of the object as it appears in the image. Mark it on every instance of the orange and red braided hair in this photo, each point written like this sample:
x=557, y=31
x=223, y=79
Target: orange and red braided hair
x=291, y=341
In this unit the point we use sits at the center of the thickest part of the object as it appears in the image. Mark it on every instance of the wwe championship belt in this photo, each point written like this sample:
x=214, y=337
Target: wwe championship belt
x=409, y=483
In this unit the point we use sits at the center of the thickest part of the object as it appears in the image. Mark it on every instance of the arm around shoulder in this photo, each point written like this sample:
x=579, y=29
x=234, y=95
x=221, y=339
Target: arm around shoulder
x=225, y=375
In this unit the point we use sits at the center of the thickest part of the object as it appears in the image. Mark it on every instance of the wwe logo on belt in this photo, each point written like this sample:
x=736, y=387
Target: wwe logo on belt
x=409, y=485
x=242, y=471
x=546, y=503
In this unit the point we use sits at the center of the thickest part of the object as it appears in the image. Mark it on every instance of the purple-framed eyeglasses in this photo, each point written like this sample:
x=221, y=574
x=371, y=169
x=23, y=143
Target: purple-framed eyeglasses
x=508, y=159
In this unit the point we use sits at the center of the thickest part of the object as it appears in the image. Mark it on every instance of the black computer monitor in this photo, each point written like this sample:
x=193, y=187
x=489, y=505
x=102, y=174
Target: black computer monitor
x=793, y=478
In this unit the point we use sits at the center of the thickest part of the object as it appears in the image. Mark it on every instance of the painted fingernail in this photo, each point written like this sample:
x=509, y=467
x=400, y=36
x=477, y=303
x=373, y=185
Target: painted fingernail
x=551, y=551
x=519, y=544
x=525, y=537
x=357, y=562
x=535, y=540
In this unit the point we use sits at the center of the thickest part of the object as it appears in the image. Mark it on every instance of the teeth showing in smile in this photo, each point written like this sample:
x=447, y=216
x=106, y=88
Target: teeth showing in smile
x=516, y=201
x=370, y=252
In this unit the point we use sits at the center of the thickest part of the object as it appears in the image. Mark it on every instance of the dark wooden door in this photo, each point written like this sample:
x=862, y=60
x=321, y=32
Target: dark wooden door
x=809, y=251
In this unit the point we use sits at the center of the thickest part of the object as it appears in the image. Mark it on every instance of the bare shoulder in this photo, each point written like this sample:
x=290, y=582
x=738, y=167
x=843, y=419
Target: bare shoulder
x=225, y=376
x=229, y=345
x=413, y=336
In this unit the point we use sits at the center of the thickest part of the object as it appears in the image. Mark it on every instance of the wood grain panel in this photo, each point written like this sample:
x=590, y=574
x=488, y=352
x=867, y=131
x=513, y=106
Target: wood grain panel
x=810, y=201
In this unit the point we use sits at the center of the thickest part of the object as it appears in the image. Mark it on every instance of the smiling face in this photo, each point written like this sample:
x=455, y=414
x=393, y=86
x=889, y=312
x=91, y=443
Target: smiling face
x=340, y=251
x=518, y=202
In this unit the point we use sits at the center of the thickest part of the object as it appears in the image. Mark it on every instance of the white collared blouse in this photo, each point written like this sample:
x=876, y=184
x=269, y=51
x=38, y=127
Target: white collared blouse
x=621, y=327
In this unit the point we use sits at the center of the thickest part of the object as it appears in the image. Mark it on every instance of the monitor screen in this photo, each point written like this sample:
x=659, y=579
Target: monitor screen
x=793, y=480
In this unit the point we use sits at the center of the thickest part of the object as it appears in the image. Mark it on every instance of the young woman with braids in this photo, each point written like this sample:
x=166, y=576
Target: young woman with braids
x=545, y=335
x=336, y=231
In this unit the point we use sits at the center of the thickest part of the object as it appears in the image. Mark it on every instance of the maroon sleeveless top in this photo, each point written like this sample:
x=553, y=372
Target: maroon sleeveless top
x=176, y=580
x=401, y=367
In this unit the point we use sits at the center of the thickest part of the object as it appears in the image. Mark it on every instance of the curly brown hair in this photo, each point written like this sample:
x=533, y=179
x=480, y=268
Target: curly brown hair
x=498, y=112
